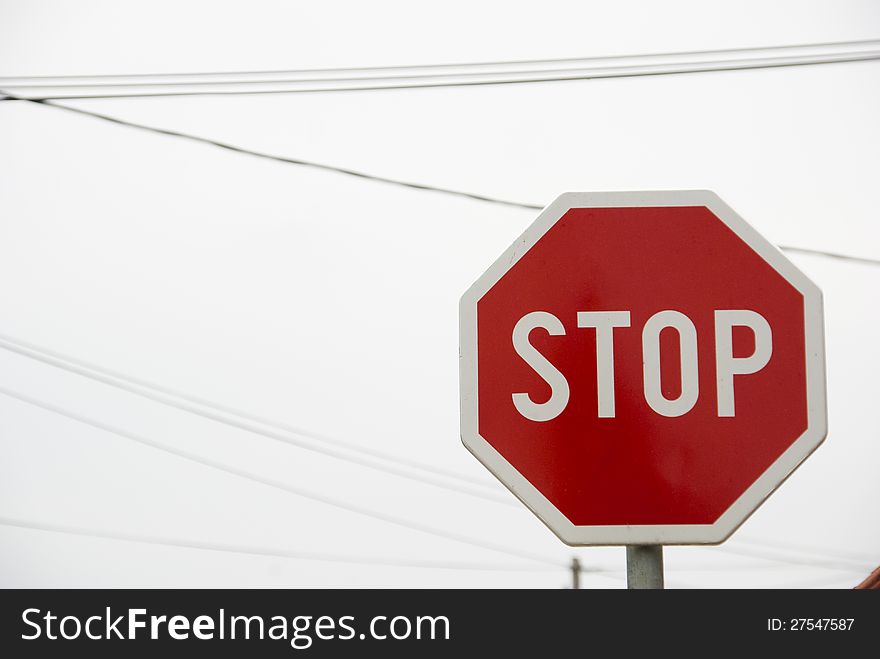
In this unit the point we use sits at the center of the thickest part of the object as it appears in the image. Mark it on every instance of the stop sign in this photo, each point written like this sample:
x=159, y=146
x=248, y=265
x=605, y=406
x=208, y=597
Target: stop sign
x=642, y=368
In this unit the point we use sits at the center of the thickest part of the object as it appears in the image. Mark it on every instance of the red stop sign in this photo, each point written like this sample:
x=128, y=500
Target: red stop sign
x=642, y=368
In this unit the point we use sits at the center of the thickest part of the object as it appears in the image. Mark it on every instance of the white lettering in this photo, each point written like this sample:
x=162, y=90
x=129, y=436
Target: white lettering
x=690, y=383
x=726, y=365
x=559, y=392
x=24, y=618
x=203, y=627
x=112, y=627
x=178, y=627
x=604, y=322
x=134, y=623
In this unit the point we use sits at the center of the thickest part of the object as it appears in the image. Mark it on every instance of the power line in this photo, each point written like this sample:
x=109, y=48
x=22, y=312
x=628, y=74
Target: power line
x=278, y=485
x=832, y=255
x=465, y=77
x=454, y=65
x=186, y=404
x=251, y=550
x=857, y=558
x=26, y=349
x=819, y=582
x=283, y=159
x=827, y=563
x=353, y=559
x=364, y=175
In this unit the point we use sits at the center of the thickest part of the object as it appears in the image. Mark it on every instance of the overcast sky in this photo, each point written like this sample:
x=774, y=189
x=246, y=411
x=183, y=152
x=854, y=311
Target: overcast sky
x=330, y=303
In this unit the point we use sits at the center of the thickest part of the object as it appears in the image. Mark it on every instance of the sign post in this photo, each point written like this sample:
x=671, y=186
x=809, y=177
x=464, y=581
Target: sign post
x=642, y=369
x=644, y=566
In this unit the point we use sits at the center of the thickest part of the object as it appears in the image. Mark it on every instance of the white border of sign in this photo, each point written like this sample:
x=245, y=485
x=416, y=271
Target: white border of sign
x=749, y=501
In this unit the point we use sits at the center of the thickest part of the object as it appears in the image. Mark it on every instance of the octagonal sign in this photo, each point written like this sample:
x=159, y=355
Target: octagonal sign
x=642, y=368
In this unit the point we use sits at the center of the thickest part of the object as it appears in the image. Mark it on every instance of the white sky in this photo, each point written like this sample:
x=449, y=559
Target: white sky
x=330, y=303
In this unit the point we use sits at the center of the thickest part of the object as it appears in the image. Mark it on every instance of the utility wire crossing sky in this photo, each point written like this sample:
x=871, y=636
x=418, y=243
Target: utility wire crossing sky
x=439, y=75
x=359, y=174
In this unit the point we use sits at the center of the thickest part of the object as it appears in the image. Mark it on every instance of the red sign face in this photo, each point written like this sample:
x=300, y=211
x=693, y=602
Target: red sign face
x=642, y=367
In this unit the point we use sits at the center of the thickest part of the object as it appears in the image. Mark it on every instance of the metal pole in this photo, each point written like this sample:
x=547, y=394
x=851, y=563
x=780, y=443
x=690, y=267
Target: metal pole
x=644, y=566
x=575, y=573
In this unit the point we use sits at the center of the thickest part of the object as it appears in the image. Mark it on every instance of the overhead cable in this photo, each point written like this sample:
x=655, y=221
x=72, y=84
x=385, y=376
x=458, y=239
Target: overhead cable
x=841, y=564
x=214, y=413
x=371, y=177
x=300, y=492
x=862, y=558
x=714, y=53
x=250, y=550
x=28, y=349
x=431, y=76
